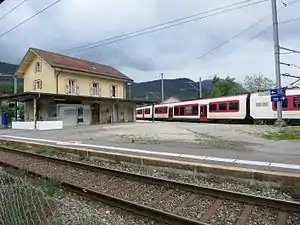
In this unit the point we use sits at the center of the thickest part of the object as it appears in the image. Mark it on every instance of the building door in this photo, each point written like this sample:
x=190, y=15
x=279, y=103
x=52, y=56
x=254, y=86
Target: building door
x=203, y=113
x=170, y=113
x=95, y=113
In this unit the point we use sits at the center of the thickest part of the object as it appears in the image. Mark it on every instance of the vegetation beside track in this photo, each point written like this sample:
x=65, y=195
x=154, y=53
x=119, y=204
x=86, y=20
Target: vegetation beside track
x=286, y=133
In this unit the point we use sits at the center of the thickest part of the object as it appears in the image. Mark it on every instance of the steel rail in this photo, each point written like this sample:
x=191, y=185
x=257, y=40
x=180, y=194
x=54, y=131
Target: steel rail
x=135, y=208
x=282, y=205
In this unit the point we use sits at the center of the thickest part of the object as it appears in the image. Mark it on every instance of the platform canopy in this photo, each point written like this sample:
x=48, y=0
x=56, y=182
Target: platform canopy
x=25, y=96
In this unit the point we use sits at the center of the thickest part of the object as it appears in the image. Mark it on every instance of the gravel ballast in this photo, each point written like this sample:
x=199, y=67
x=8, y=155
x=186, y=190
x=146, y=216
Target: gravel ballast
x=237, y=185
x=227, y=213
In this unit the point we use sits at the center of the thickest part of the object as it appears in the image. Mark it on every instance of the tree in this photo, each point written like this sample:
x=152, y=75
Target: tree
x=225, y=87
x=258, y=82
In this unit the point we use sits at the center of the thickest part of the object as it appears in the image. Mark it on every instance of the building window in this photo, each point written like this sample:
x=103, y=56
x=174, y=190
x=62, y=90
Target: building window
x=72, y=87
x=37, y=84
x=296, y=101
x=95, y=89
x=114, y=91
x=38, y=67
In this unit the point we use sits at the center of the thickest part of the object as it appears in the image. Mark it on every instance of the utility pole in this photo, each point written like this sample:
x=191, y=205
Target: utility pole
x=277, y=59
x=200, y=87
x=162, y=87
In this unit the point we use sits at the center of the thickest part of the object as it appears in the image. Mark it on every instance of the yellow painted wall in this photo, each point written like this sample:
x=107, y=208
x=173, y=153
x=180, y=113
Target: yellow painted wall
x=46, y=75
x=84, y=82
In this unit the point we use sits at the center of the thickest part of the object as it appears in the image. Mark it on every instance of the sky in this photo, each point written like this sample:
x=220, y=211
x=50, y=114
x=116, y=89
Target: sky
x=176, y=51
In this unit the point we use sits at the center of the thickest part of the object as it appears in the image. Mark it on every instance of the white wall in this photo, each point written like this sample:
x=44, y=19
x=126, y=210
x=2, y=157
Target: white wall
x=40, y=125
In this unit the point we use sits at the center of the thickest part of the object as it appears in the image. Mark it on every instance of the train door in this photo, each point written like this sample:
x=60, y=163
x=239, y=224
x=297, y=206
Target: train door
x=170, y=113
x=203, y=112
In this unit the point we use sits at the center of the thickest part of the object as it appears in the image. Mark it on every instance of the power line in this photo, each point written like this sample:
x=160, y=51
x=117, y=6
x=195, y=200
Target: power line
x=29, y=18
x=159, y=27
x=13, y=9
x=245, y=30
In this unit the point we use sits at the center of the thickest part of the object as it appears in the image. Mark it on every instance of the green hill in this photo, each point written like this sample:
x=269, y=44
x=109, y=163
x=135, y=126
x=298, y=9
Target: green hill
x=181, y=88
x=7, y=82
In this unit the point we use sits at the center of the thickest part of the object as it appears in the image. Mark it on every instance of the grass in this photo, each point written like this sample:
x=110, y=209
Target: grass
x=292, y=190
x=283, y=134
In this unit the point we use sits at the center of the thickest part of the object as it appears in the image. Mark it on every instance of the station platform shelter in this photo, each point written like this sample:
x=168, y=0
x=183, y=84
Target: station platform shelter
x=44, y=111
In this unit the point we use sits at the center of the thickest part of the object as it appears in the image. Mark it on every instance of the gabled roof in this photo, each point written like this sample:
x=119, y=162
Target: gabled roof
x=66, y=62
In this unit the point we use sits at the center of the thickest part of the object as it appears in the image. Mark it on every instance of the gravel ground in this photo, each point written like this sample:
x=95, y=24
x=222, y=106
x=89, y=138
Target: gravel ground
x=196, y=209
x=293, y=219
x=262, y=216
x=227, y=214
x=78, y=210
x=150, y=195
x=68, y=208
x=207, y=181
x=172, y=201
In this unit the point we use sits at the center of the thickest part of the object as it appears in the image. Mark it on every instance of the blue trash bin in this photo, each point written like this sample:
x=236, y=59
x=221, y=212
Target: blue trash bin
x=4, y=120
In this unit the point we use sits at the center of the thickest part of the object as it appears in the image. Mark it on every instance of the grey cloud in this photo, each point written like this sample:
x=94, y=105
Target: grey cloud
x=172, y=50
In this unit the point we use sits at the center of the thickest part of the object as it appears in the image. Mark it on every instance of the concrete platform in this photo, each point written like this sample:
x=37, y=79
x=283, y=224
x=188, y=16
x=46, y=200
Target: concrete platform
x=238, y=145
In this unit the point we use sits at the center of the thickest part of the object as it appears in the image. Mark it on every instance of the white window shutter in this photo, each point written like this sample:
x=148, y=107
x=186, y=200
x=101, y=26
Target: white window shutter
x=77, y=87
x=67, y=86
x=99, y=90
x=111, y=91
x=116, y=88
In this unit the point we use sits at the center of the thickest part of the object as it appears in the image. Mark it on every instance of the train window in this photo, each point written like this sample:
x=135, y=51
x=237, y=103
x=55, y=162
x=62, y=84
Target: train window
x=212, y=107
x=195, y=110
x=188, y=110
x=140, y=111
x=181, y=110
x=176, y=111
x=222, y=106
x=156, y=110
x=284, y=104
x=234, y=106
x=296, y=101
x=147, y=111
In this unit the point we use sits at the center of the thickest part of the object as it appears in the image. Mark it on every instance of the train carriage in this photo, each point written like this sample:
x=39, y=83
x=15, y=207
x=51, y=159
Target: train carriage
x=229, y=108
x=244, y=107
x=264, y=111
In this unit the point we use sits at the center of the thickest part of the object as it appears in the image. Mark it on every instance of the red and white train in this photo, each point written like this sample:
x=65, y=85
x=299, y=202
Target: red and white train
x=250, y=107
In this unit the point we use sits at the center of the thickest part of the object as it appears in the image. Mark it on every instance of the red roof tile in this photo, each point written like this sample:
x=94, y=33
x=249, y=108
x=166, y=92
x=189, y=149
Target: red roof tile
x=67, y=62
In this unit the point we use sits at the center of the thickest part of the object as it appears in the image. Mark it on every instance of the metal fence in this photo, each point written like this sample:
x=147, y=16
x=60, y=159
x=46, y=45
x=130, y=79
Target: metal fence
x=21, y=203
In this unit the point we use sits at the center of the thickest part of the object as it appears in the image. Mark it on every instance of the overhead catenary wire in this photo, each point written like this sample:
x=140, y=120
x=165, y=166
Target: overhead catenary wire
x=29, y=18
x=163, y=26
x=12, y=10
x=247, y=29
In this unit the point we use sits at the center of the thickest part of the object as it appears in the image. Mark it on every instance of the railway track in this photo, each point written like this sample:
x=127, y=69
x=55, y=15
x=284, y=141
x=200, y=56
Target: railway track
x=165, y=201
